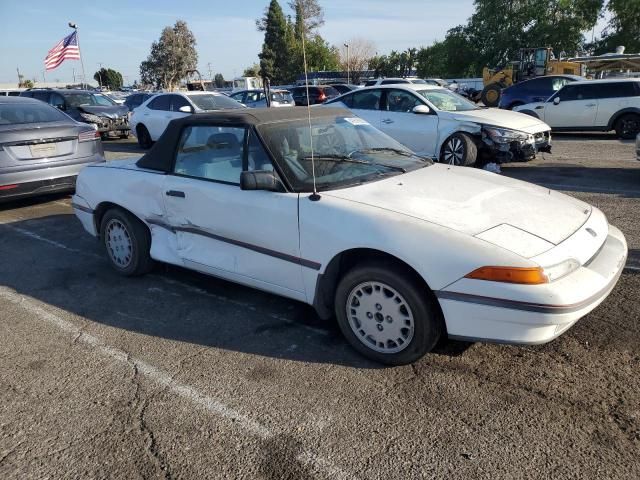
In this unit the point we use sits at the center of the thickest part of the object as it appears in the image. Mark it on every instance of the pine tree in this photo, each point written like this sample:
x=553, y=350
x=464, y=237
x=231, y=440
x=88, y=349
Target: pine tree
x=274, y=56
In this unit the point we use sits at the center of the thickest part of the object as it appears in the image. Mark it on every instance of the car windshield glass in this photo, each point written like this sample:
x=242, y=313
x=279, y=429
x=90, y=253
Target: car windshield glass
x=11, y=114
x=347, y=151
x=281, y=97
x=214, y=102
x=448, y=101
x=79, y=99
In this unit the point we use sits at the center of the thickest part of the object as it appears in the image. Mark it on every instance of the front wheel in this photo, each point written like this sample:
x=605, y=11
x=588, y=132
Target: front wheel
x=144, y=138
x=127, y=242
x=385, y=315
x=628, y=126
x=459, y=149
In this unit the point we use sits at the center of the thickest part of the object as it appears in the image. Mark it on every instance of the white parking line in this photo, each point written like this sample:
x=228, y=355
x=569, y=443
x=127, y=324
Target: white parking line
x=211, y=405
x=558, y=186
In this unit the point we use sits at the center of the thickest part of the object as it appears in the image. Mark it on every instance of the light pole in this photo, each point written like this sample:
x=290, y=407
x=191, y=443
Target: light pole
x=100, y=75
x=348, y=64
x=75, y=27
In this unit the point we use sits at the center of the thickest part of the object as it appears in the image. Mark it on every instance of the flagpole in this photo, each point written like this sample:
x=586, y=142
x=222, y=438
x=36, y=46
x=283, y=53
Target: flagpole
x=75, y=27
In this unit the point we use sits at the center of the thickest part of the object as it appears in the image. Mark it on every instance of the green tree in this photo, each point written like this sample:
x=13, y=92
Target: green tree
x=171, y=57
x=218, y=79
x=109, y=78
x=274, y=56
x=623, y=28
x=309, y=16
x=26, y=83
x=252, y=71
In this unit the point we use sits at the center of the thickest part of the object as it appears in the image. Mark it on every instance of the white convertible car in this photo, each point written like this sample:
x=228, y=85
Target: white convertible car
x=401, y=250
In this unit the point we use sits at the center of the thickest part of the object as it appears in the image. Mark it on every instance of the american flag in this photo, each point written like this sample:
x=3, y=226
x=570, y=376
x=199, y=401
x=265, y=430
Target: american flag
x=65, y=49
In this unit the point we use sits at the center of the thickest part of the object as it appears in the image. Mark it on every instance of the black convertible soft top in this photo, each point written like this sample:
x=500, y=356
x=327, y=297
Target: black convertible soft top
x=160, y=157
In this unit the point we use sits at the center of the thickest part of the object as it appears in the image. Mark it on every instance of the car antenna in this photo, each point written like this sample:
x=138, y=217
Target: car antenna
x=314, y=196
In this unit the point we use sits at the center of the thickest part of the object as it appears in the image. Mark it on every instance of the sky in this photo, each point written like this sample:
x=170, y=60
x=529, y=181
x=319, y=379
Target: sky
x=118, y=34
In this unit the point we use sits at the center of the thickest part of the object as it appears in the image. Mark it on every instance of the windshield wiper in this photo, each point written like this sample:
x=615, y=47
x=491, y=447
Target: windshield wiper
x=347, y=159
x=385, y=149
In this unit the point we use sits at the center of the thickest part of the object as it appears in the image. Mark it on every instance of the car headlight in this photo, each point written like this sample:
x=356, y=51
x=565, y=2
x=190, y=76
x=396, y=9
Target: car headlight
x=505, y=135
x=559, y=270
x=90, y=117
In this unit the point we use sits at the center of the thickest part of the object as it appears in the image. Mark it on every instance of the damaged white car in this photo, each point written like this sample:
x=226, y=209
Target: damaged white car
x=339, y=215
x=435, y=122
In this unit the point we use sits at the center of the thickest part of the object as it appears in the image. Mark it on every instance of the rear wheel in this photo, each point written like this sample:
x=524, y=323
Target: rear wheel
x=459, y=149
x=628, y=126
x=490, y=95
x=144, y=138
x=127, y=242
x=385, y=315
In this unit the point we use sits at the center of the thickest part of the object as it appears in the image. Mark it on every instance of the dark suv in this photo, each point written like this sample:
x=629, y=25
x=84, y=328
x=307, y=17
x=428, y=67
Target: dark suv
x=317, y=94
x=87, y=107
x=136, y=99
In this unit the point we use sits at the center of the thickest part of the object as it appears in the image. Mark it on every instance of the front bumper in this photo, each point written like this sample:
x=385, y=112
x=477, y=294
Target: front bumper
x=111, y=125
x=536, y=313
x=516, y=151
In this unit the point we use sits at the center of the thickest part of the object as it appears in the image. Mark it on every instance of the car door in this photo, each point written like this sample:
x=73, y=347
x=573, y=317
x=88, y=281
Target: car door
x=245, y=236
x=613, y=97
x=154, y=117
x=365, y=104
x=578, y=107
x=419, y=132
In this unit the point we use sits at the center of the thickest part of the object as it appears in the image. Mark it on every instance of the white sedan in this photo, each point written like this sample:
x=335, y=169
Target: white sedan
x=401, y=250
x=149, y=120
x=435, y=122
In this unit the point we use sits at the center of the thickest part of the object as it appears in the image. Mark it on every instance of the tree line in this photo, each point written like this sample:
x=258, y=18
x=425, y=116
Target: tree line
x=492, y=36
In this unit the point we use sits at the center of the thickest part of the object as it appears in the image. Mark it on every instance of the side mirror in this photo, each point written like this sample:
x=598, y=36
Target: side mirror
x=556, y=101
x=186, y=109
x=261, y=180
x=423, y=109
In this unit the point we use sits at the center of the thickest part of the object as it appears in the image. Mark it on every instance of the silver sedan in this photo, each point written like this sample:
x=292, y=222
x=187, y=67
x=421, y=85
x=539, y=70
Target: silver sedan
x=42, y=150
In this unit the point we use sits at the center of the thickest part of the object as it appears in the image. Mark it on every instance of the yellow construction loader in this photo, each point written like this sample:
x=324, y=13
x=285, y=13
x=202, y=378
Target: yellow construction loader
x=532, y=62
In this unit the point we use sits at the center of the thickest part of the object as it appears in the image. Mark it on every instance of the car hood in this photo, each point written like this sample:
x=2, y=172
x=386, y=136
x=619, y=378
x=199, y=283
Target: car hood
x=473, y=201
x=498, y=118
x=112, y=112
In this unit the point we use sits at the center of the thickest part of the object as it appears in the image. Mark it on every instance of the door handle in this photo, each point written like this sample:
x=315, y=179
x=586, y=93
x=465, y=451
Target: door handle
x=590, y=105
x=387, y=121
x=175, y=193
x=539, y=107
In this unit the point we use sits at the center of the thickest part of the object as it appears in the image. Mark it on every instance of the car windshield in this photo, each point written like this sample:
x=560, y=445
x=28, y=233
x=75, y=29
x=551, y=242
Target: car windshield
x=281, y=97
x=347, y=151
x=213, y=102
x=19, y=113
x=79, y=99
x=447, y=101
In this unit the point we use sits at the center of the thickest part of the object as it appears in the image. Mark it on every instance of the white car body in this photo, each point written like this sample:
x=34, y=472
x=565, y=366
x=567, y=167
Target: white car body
x=442, y=221
x=426, y=134
x=257, y=99
x=589, y=105
x=156, y=121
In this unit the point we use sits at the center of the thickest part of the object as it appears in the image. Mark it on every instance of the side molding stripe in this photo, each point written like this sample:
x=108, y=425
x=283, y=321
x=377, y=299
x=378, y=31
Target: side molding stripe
x=83, y=209
x=265, y=251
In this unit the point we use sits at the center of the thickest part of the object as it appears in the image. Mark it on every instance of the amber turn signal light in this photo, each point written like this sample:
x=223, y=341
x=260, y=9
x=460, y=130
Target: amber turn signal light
x=526, y=276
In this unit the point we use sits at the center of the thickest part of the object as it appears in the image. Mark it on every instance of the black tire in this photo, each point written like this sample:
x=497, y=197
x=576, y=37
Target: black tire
x=144, y=138
x=104, y=136
x=427, y=321
x=120, y=227
x=490, y=95
x=124, y=134
x=459, y=149
x=628, y=126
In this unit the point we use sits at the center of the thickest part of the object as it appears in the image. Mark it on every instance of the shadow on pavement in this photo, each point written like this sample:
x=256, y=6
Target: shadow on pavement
x=171, y=302
x=624, y=182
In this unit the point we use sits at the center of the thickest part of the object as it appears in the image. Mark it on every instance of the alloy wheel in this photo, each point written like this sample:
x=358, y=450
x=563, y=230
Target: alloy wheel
x=380, y=317
x=454, y=152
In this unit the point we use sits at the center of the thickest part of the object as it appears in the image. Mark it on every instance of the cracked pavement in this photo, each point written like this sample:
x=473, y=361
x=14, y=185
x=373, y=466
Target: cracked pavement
x=178, y=375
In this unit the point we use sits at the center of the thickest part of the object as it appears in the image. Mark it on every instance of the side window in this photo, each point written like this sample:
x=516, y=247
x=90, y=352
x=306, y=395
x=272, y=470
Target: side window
x=56, y=100
x=177, y=102
x=238, y=97
x=258, y=159
x=567, y=93
x=211, y=153
x=366, y=99
x=161, y=102
x=616, y=90
x=27, y=94
x=587, y=92
x=252, y=97
x=400, y=101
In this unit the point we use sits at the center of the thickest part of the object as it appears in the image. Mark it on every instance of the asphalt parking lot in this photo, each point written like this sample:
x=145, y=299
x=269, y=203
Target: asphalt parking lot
x=178, y=375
